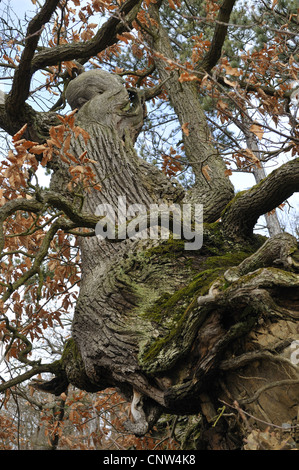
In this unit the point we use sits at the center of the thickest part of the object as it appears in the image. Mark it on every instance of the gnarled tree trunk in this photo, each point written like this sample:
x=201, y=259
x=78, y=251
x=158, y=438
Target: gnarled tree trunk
x=180, y=331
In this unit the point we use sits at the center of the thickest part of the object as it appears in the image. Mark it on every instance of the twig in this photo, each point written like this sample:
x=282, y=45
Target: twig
x=37, y=33
x=242, y=413
x=278, y=383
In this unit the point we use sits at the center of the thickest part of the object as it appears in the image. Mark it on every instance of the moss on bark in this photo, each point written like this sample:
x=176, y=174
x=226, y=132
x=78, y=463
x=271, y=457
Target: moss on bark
x=167, y=316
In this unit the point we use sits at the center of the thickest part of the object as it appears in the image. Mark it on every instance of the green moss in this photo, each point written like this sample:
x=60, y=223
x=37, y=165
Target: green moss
x=174, y=312
x=70, y=350
x=73, y=366
x=173, y=315
x=163, y=283
x=170, y=248
x=229, y=259
x=169, y=307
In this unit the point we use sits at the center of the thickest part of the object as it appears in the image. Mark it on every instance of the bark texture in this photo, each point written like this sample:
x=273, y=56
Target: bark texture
x=176, y=331
x=215, y=190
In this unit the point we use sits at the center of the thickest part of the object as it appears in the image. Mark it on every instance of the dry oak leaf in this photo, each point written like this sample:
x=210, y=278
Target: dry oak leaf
x=257, y=130
x=185, y=128
x=205, y=171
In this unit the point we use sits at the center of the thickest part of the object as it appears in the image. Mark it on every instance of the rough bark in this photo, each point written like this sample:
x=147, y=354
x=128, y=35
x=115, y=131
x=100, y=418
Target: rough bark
x=215, y=190
x=177, y=331
x=244, y=210
x=214, y=53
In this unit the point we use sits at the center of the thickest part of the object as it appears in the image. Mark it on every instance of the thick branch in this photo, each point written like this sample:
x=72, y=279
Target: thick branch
x=105, y=37
x=277, y=250
x=214, y=190
x=22, y=78
x=242, y=213
x=31, y=62
x=214, y=53
x=38, y=123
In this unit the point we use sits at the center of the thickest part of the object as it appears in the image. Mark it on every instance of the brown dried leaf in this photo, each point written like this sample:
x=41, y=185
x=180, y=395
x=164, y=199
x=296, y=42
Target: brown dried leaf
x=257, y=130
x=205, y=171
x=185, y=128
x=17, y=136
x=252, y=157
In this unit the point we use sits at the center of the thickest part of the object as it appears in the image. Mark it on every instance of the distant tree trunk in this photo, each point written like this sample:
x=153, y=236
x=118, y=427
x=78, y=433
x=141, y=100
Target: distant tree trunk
x=177, y=331
x=259, y=173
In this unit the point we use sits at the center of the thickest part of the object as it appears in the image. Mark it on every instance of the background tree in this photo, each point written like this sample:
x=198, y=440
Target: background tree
x=210, y=331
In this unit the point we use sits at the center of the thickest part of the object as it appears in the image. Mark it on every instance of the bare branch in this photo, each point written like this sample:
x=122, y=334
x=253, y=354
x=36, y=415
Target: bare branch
x=31, y=62
x=243, y=212
x=37, y=369
x=22, y=78
x=105, y=37
x=214, y=53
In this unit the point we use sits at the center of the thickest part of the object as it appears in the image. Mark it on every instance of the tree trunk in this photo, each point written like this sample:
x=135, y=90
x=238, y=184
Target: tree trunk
x=176, y=331
x=212, y=188
x=259, y=174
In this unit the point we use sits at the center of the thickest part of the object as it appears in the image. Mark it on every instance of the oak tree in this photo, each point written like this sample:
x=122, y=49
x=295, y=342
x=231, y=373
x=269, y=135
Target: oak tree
x=208, y=330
